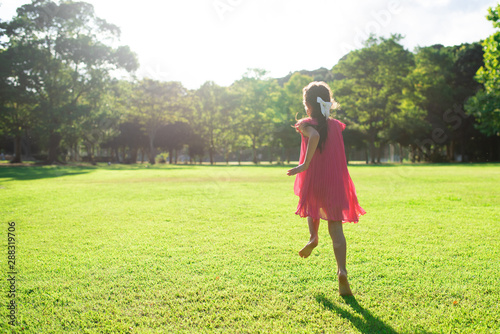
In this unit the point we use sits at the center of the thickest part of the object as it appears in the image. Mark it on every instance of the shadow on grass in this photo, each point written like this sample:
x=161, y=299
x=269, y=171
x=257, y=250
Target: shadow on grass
x=367, y=323
x=27, y=173
x=35, y=172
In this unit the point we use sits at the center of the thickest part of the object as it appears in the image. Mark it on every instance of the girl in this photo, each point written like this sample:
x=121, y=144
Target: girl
x=323, y=184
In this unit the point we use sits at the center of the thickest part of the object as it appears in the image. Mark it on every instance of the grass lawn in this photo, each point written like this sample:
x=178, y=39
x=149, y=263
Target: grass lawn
x=200, y=249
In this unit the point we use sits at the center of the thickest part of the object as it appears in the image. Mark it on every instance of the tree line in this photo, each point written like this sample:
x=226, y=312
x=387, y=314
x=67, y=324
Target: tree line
x=60, y=96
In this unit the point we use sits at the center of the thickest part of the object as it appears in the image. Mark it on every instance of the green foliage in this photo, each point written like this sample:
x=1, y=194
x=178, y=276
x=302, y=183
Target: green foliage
x=60, y=57
x=427, y=94
x=468, y=58
x=200, y=249
x=486, y=109
x=494, y=16
x=258, y=95
x=485, y=105
x=155, y=104
x=289, y=107
x=433, y=100
x=216, y=118
x=18, y=103
x=368, y=85
x=56, y=83
x=489, y=75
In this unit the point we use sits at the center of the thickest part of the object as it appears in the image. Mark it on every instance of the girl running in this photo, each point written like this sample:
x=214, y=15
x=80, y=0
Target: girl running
x=323, y=184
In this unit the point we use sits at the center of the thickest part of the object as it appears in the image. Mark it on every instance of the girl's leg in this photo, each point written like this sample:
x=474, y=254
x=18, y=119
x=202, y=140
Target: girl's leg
x=340, y=250
x=313, y=240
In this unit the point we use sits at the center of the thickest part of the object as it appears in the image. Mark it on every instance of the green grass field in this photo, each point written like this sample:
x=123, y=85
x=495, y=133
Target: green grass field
x=200, y=249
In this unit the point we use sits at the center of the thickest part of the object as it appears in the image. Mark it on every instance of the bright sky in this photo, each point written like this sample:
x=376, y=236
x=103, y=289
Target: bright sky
x=193, y=41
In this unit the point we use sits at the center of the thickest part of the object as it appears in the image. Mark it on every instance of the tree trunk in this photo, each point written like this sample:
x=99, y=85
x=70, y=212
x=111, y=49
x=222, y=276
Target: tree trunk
x=380, y=151
x=372, y=135
x=124, y=155
x=211, y=148
x=176, y=155
x=142, y=155
x=78, y=153
x=133, y=155
x=372, y=151
x=17, y=149
x=255, y=161
x=239, y=157
x=170, y=155
x=495, y=143
x=491, y=150
x=152, y=151
x=90, y=155
x=451, y=151
x=400, y=153
x=27, y=146
x=54, y=142
x=72, y=153
x=496, y=148
x=211, y=154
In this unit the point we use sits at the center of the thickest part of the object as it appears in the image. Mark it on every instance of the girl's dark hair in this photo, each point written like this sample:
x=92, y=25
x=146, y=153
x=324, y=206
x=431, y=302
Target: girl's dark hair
x=311, y=93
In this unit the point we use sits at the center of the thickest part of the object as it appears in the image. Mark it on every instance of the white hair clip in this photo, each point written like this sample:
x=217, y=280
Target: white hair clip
x=325, y=107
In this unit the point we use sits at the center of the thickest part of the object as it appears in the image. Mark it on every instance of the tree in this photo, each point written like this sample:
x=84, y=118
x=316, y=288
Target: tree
x=130, y=136
x=209, y=119
x=67, y=60
x=156, y=104
x=368, y=84
x=17, y=102
x=173, y=137
x=257, y=114
x=101, y=122
x=485, y=105
x=468, y=58
x=289, y=108
x=429, y=93
x=196, y=148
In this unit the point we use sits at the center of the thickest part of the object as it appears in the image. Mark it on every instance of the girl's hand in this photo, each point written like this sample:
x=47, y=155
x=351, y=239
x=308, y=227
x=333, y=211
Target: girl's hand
x=296, y=170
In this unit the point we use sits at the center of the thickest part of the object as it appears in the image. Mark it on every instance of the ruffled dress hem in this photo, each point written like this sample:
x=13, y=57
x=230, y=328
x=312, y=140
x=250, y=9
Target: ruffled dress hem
x=354, y=221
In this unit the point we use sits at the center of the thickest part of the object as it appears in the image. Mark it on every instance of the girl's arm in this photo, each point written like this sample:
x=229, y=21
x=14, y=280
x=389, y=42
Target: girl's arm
x=312, y=144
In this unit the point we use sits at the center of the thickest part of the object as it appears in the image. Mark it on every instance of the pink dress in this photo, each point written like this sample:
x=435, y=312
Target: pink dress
x=325, y=189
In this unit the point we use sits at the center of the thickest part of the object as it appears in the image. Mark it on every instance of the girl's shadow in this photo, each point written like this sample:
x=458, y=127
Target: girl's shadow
x=367, y=323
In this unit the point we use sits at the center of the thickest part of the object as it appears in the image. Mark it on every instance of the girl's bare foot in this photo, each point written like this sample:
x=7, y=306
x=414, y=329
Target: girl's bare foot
x=306, y=251
x=344, y=289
